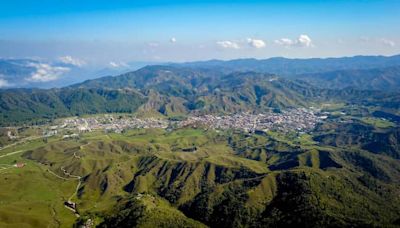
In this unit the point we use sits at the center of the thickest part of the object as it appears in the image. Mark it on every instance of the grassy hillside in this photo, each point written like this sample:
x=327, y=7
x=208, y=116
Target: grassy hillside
x=23, y=105
x=150, y=177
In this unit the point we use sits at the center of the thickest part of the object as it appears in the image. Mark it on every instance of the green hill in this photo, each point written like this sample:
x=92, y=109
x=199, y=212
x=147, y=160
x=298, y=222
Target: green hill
x=147, y=178
x=23, y=105
x=174, y=90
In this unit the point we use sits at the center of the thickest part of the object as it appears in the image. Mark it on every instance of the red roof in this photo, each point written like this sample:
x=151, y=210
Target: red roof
x=20, y=165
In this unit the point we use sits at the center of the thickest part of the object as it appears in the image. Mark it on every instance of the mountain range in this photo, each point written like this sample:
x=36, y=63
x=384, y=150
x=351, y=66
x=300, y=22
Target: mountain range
x=170, y=91
x=345, y=172
x=289, y=67
x=18, y=72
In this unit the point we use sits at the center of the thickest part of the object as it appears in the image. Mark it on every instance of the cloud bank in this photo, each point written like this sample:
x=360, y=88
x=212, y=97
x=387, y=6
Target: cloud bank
x=72, y=61
x=45, y=72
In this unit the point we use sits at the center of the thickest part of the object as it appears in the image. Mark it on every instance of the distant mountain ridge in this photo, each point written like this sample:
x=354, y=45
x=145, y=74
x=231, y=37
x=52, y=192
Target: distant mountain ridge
x=285, y=66
x=385, y=79
x=359, y=72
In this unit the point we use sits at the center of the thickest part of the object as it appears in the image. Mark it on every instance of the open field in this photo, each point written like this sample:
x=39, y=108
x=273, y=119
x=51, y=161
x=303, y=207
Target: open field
x=31, y=197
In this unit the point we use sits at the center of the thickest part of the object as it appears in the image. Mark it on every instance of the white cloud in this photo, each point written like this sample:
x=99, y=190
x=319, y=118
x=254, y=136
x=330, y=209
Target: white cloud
x=228, y=44
x=285, y=42
x=118, y=64
x=387, y=42
x=304, y=41
x=45, y=72
x=173, y=40
x=4, y=83
x=256, y=43
x=72, y=61
x=301, y=41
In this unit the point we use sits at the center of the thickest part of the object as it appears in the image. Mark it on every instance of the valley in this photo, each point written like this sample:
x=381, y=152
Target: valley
x=200, y=114
x=199, y=146
x=119, y=169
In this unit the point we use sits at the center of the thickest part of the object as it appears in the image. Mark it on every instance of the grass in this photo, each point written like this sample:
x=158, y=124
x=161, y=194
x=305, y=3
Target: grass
x=30, y=197
x=263, y=193
x=332, y=106
x=378, y=122
x=159, y=213
x=153, y=161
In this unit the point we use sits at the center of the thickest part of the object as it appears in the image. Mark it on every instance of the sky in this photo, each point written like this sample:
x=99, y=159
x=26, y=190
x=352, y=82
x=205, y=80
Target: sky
x=116, y=32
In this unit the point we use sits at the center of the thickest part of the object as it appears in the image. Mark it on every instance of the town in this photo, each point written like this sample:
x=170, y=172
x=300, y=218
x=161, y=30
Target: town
x=110, y=123
x=300, y=120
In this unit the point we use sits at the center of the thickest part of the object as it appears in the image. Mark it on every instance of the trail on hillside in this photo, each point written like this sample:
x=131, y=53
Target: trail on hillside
x=11, y=153
x=67, y=176
x=73, y=177
x=21, y=141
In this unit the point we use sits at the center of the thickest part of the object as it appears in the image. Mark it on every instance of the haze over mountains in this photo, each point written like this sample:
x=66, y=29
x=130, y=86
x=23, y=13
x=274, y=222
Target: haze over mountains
x=38, y=73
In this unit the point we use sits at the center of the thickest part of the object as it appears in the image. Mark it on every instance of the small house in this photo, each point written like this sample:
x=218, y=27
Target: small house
x=19, y=165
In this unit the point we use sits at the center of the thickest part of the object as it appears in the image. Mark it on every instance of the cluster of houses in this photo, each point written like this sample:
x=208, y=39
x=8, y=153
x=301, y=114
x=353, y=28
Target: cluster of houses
x=108, y=123
x=300, y=119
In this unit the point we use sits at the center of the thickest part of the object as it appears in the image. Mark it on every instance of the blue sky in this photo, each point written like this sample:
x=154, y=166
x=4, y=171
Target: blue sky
x=105, y=32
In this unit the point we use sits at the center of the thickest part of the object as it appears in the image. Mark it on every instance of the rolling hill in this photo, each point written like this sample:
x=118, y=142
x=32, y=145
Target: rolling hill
x=36, y=105
x=145, y=177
